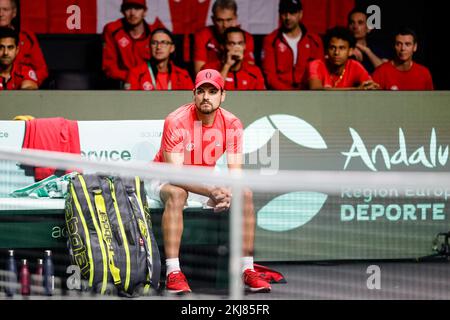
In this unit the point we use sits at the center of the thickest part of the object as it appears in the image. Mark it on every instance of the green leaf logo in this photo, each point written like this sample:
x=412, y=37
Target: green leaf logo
x=290, y=211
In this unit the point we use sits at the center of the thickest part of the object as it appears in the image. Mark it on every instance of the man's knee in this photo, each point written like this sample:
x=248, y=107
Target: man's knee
x=174, y=196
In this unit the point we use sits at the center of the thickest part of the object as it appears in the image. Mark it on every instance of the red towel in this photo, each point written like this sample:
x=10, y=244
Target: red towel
x=269, y=275
x=51, y=134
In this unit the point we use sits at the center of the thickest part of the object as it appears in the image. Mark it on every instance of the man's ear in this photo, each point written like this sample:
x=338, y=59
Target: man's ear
x=415, y=47
x=350, y=52
x=300, y=17
x=224, y=94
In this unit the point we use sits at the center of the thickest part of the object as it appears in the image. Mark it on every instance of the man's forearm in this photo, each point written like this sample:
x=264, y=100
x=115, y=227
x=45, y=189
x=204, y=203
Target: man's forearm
x=204, y=190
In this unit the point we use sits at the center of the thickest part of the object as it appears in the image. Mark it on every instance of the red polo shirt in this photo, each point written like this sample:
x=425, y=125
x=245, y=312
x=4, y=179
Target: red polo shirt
x=207, y=47
x=201, y=145
x=19, y=74
x=353, y=75
x=121, y=52
x=390, y=78
x=249, y=77
x=277, y=60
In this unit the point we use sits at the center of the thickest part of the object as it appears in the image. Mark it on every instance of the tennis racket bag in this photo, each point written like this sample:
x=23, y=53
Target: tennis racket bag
x=110, y=235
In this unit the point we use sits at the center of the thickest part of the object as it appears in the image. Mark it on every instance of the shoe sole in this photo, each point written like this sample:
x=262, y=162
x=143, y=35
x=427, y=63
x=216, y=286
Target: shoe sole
x=178, y=292
x=260, y=290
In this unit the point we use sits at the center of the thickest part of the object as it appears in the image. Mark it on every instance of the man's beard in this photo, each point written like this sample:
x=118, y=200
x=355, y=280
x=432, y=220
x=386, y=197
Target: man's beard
x=4, y=61
x=209, y=111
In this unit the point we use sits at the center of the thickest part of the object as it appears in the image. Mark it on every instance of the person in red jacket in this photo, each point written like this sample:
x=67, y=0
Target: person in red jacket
x=159, y=73
x=126, y=41
x=403, y=73
x=13, y=74
x=30, y=53
x=337, y=71
x=208, y=41
x=288, y=50
x=237, y=72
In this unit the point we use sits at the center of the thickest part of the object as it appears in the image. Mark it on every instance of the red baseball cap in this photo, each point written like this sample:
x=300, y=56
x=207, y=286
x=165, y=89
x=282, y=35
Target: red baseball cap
x=210, y=76
x=142, y=3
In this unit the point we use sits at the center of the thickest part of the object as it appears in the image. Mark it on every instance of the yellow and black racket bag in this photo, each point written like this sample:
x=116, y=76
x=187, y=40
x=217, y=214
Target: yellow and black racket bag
x=110, y=235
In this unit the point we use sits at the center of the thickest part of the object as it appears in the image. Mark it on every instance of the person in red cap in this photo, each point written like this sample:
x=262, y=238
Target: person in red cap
x=208, y=41
x=30, y=53
x=160, y=72
x=403, y=73
x=126, y=41
x=288, y=50
x=198, y=134
x=13, y=74
x=237, y=72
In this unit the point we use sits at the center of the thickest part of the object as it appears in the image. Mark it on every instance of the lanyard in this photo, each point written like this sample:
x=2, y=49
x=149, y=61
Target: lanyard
x=152, y=75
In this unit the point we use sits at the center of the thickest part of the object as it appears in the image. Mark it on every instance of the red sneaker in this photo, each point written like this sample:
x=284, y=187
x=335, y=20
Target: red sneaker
x=254, y=282
x=176, y=283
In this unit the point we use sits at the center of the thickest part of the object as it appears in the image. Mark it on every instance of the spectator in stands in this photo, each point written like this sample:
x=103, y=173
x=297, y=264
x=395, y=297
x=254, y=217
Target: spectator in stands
x=126, y=41
x=337, y=70
x=370, y=54
x=13, y=74
x=237, y=72
x=30, y=52
x=159, y=73
x=207, y=41
x=403, y=73
x=288, y=50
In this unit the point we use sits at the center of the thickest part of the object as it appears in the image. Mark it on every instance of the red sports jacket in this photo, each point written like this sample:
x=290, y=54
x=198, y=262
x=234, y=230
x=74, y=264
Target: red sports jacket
x=207, y=47
x=19, y=73
x=277, y=60
x=249, y=77
x=31, y=55
x=121, y=52
x=139, y=78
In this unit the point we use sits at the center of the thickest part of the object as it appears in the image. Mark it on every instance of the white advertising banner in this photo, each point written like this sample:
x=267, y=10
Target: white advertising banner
x=120, y=141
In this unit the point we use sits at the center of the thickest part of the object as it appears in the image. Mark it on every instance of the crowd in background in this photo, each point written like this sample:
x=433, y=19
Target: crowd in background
x=140, y=57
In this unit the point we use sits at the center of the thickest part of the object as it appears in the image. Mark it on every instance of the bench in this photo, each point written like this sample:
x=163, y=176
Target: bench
x=38, y=224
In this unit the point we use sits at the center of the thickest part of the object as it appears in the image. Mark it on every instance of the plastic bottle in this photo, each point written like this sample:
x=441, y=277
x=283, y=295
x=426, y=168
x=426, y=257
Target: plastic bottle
x=39, y=275
x=25, y=279
x=49, y=276
x=12, y=274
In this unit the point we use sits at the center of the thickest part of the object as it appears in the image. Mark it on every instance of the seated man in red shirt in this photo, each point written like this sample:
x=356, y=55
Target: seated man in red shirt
x=219, y=131
x=207, y=41
x=337, y=71
x=403, y=73
x=126, y=41
x=288, y=50
x=30, y=53
x=13, y=74
x=237, y=72
x=159, y=73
